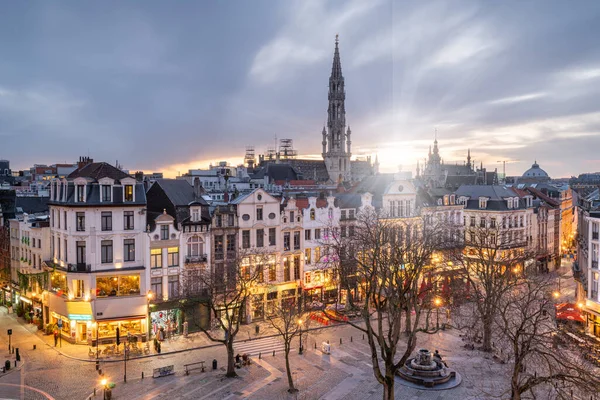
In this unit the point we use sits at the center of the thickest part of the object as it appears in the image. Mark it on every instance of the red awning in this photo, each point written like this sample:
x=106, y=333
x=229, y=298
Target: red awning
x=568, y=312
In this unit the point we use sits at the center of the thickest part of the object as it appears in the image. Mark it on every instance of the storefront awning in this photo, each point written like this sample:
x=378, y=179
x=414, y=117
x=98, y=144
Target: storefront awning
x=79, y=311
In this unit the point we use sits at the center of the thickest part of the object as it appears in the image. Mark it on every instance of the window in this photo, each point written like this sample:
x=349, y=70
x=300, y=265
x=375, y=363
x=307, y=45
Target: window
x=472, y=222
x=510, y=203
x=106, y=220
x=128, y=192
x=317, y=254
x=286, y=269
x=260, y=237
x=52, y=219
x=343, y=214
x=129, y=250
x=231, y=242
x=272, y=272
x=219, y=221
x=482, y=202
x=246, y=239
x=351, y=230
x=173, y=257
x=164, y=232
x=66, y=258
x=80, y=193
x=219, y=247
x=351, y=214
x=58, y=219
x=195, y=246
x=312, y=214
x=195, y=215
x=493, y=223
x=317, y=234
x=156, y=287
x=482, y=222
x=128, y=220
x=106, y=251
x=78, y=288
x=80, y=252
x=155, y=258
x=259, y=213
x=307, y=234
x=521, y=221
x=297, y=240
x=106, y=192
x=291, y=216
x=80, y=221
x=173, y=286
x=272, y=236
x=286, y=241
x=296, y=267
x=343, y=231
x=230, y=220
x=65, y=219
x=330, y=213
x=307, y=256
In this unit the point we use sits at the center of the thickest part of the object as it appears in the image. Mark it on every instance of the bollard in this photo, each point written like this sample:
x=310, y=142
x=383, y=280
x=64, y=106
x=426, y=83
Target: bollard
x=315, y=345
x=94, y=392
x=142, y=374
x=273, y=353
x=15, y=363
x=34, y=346
x=259, y=356
x=340, y=340
x=350, y=339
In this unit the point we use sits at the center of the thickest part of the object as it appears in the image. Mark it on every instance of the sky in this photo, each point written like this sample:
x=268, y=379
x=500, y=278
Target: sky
x=168, y=86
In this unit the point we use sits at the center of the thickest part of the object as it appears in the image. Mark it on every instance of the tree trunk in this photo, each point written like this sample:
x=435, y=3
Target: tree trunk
x=487, y=335
x=230, y=360
x=291, y=389
x=388, y=389
x=407, y=323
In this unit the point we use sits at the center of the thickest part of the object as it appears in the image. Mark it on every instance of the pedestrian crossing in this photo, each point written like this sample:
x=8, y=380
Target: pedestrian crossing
x=264, y=346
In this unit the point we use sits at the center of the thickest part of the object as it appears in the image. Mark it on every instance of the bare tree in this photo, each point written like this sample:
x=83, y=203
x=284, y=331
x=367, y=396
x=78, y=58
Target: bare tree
x=228, y=288
x=388, y=257
x=528, y=331
x=289, y=323
x=490, y=263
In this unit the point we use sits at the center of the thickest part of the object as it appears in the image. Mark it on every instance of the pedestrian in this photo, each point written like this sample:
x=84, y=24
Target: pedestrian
x=55, y=337
x=238, y=363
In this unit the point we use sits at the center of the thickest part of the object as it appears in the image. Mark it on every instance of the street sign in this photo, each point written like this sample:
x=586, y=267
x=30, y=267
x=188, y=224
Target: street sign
x=9, y=332
x=59, y=323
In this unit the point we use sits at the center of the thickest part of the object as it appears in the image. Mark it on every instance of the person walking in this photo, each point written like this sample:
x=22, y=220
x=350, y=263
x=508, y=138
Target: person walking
x=55, y=337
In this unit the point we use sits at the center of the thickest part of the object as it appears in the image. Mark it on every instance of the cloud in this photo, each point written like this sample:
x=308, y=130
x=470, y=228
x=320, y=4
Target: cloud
x=519, y=98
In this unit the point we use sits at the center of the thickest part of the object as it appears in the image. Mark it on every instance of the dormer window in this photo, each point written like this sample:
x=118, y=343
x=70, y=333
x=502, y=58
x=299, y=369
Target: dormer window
x=195, y=215
x=452, y=199
x=164, y=232
x=312, y=214
x=80, y=193
x=483, y=202
x=516, y=202
x=128, y=192
x=510, y=203
x=106, y=193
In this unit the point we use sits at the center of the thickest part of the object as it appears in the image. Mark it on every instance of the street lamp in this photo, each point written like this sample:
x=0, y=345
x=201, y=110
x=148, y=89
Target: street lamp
x=103, y=383
x=437, y=303
x=556, y=294
x=300, y=325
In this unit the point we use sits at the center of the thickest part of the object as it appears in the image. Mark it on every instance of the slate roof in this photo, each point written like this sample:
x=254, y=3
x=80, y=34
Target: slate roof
x=97, y=171
x=495, y=194
x=277, y=172
x=32, y=205
x=348, y=200
x=375, y=185
x=179, y=192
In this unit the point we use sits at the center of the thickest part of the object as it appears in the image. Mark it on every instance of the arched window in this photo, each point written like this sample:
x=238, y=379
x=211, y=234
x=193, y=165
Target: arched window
x=195, y=246
x=312, y=214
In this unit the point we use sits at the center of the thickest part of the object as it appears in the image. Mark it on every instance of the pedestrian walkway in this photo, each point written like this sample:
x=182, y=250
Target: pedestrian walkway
x=260, y=346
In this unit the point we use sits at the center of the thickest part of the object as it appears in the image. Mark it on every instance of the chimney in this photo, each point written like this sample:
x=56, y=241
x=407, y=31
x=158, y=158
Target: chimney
x=197, y=188
x=83, y=161
x=226, y=197
x=139, y=176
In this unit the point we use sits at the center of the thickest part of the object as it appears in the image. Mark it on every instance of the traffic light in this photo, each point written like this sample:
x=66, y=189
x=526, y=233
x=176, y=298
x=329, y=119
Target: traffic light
x=118, y=338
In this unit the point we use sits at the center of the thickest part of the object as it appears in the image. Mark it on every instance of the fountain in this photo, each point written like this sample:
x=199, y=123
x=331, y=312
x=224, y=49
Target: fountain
x=429, y=372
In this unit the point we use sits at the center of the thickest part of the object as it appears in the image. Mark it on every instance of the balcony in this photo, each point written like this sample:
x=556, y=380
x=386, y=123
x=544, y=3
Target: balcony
x=196, y=259
x=595, y=264
x=79, y=267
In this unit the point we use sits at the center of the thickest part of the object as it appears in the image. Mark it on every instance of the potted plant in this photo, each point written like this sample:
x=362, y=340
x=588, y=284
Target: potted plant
x=9, y=306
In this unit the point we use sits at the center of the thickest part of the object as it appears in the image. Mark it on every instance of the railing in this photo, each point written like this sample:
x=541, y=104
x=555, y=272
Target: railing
x=196, y=259
x=79, y=267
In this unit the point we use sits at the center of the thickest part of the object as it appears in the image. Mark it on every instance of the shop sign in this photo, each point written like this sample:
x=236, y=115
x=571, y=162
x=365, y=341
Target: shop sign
x=80, y=317
x=59, y=323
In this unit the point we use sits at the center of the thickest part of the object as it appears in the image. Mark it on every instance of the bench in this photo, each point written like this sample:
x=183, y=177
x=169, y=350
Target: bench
x=191, y=366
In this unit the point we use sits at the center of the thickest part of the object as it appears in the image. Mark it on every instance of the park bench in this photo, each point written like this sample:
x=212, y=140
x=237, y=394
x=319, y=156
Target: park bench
x=192, y=366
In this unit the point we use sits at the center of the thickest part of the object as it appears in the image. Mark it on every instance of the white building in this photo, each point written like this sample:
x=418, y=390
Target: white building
x=98, y=257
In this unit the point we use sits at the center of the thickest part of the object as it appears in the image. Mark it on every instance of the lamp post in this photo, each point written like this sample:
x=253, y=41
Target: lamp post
x=103, y=383
x=437, y=303
x=149, y=297
x=300, y=325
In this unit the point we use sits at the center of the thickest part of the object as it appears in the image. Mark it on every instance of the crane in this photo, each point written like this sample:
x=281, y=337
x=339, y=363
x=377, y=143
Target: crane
x=504, y=167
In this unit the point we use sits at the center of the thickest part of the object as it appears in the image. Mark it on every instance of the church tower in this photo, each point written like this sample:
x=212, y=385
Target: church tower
x=336, y=138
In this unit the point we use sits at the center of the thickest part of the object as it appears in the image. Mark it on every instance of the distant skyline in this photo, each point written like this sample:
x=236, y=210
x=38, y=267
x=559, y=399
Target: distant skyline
x=164, y=86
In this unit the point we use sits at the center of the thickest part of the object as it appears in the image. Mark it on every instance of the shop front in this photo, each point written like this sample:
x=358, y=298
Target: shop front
x=106, y=330
x=166, y=323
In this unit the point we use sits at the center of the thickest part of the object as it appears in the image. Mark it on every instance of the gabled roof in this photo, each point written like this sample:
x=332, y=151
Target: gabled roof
x=98, y=171
x=277, y=172
x=348, y=200
x=179, y=192
x=493, y=192
x=552, y=202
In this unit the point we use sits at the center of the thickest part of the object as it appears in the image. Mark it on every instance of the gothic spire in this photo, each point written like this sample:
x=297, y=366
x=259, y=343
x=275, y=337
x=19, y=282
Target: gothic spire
x=336, y=68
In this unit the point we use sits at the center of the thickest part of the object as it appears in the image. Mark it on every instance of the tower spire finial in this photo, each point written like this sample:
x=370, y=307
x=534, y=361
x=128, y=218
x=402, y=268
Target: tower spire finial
x=337, y=39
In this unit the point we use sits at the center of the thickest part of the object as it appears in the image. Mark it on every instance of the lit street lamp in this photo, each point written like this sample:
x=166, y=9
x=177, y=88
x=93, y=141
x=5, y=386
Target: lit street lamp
x=103, y=382
x=149, y=297
x=437, y=303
